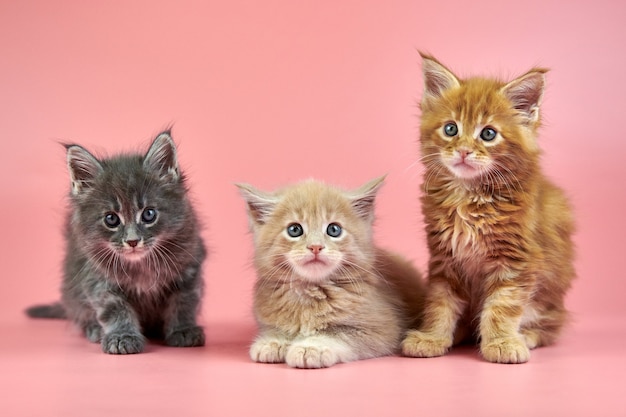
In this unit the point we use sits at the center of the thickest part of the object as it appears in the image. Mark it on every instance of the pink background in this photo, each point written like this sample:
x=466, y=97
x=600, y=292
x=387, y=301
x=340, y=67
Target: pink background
x=271, y=92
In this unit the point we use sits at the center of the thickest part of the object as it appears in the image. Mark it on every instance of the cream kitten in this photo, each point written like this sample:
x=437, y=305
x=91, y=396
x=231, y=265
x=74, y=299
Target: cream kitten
x=325, y=294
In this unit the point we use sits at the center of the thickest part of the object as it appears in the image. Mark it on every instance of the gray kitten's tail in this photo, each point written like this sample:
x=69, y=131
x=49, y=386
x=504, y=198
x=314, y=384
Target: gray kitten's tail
x=47, y=311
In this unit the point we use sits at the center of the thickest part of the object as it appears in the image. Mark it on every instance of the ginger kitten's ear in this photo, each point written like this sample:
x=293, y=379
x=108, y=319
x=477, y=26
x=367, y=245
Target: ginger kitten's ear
x=260, y=204
x=362, y=199
x=526, y=93
x=437, y=78
x=83, y=167
x=161, y=157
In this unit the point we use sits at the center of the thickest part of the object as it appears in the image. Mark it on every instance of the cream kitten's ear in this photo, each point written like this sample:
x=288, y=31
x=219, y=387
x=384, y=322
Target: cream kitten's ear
x=363, y=198
x=260, y=204
x=526, y=93
x=437, y=78
x=83, y=167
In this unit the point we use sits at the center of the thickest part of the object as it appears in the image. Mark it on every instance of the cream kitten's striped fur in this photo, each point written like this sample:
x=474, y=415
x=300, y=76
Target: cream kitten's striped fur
x=325, y=294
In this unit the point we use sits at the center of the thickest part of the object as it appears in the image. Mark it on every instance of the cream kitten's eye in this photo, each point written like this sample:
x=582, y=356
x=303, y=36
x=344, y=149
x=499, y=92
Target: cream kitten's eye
x=450, y=129
x=488, y=134
x=334, y=230
x=112, y=220
x=295, y=230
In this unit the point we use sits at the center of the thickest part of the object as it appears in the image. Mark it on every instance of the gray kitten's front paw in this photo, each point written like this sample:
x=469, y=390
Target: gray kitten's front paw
x=122, y=343
x=189, y=337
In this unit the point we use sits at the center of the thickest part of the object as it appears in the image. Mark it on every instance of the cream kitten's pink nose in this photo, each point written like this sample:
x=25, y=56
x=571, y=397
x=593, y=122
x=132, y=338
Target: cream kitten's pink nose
x=315, y=248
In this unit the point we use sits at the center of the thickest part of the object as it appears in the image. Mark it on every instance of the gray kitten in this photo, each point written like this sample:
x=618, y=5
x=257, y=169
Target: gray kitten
x=133, y=258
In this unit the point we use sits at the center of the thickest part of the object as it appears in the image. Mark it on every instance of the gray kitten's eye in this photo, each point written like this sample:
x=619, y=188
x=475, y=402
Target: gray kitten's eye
x=149, y=215
x=450, y=129
x=112, y=220
x=488, y=134
x=334, y=230
x=295, y=230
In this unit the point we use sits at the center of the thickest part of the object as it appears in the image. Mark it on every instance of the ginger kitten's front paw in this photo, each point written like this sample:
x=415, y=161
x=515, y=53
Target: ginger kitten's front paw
x=268, y=350
x=505, y=350
x=189, y=337
x=122, y=343
x=424, y=345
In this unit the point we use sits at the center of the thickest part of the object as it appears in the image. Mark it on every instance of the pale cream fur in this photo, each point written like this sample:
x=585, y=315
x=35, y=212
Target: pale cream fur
x=321, y=299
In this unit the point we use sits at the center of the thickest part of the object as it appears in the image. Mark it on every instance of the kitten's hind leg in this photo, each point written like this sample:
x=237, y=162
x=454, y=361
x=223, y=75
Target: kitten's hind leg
x=93, y=332
x=542, y=331
x=269, y=347
x=181, y=329
x=320, y=351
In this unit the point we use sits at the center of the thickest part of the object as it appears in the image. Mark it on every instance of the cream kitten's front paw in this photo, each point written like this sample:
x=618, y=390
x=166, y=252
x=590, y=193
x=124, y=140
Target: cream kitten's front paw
x=311, y=357
x=505, y=350
x=424, y=345
x=268, y=350
x=318, y=352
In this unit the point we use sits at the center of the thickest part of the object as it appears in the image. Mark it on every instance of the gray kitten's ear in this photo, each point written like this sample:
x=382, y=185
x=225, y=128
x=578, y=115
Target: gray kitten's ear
x=363, y=198
x=161, y=157
x=83, y=168
x=526, y=93
x=437, y=78
x=261, y=205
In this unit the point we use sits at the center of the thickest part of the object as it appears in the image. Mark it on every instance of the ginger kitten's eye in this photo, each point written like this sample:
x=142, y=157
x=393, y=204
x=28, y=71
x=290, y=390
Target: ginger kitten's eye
x=112, y=220
x=450, y=129
x=149, y=215
x=334, y=230
x=295, y=230
x=488, y=134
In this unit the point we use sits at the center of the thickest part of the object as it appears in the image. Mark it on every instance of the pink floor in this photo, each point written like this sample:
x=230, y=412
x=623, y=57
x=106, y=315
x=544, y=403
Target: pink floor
x=49, y=371
x=274, y=91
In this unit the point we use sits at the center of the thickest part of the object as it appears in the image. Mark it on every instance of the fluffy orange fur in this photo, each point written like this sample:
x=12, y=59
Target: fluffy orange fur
x=499, y=232
x=325, y=294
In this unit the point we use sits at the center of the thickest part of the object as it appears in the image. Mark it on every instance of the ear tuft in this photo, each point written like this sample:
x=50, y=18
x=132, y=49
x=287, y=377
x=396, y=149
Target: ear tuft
x=363, y=198
x=526, y=93
x=162, y=158
x=437, y=78
x=260, y=205
x=83, y=168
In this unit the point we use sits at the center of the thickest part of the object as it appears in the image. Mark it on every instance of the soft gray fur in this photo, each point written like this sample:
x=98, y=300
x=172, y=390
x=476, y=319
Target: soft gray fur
x=133, y=258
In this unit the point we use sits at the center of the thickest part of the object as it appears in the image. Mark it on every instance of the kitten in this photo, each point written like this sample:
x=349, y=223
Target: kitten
x=498, y=231
x=133, y=251
x=325, y=294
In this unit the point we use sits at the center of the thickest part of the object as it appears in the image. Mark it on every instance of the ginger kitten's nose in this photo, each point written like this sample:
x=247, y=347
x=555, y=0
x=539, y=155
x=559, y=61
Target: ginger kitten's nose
x=315, y=248
x=464, y=153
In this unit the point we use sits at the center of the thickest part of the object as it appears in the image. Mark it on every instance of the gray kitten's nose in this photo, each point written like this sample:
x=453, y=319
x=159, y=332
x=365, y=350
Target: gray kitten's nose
x=132, y=243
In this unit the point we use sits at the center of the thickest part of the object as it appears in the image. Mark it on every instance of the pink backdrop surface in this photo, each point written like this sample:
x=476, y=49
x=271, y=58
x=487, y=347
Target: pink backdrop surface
x=269, y=93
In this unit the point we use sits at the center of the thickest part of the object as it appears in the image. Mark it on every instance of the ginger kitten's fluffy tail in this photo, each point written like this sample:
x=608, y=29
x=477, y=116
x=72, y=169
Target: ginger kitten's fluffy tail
x=406, y=281
x=47, y=311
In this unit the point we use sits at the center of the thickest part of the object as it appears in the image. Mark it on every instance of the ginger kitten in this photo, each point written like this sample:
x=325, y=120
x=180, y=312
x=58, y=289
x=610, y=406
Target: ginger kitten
x=498, y=231
x=325, y=294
